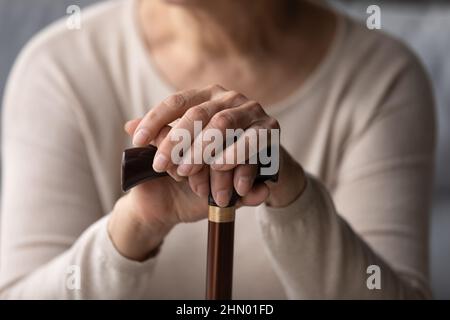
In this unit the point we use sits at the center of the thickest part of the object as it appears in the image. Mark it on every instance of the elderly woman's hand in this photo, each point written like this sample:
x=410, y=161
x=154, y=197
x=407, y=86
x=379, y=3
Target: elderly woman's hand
x=150, y=210
x=216, y=108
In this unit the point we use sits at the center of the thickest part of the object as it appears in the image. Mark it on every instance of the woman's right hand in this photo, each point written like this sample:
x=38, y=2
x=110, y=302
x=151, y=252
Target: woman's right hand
x=143, y=217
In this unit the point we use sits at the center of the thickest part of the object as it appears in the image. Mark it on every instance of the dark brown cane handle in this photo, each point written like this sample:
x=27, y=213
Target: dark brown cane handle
x=137, y=168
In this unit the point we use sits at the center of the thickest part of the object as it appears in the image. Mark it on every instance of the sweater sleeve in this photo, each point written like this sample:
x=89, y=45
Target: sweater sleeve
x=367, y=236
x=54, y=240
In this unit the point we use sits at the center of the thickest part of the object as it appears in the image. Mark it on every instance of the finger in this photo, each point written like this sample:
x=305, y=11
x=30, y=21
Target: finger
x=221, y=186
x=244, y=176
x=169, y=110
x=255, y=139
x=204, y=113
x=233, y=118
x=130, y=126
x=255, y=197
x=190, y=125
x=171, y=170
x=200, y=183
x=173, y=173
x=161, y=136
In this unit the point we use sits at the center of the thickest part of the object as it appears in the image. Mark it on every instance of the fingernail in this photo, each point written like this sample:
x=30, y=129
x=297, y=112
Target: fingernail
x=160, y=163
x=140, y=137
x=203, y=190
x=184, y=169
x=243, y=185
x=175, y=176
x=223, y=197
x=218, y=162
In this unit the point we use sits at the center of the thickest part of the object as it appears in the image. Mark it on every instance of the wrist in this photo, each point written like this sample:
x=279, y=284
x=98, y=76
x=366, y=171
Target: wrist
x=290, y=185
x=132, y=236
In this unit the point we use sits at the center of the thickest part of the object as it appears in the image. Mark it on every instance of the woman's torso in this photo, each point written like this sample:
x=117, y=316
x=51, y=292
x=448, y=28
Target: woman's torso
x=113, y=81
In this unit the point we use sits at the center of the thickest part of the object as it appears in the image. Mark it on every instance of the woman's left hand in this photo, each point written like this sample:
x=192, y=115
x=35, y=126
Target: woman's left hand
x=219, y=109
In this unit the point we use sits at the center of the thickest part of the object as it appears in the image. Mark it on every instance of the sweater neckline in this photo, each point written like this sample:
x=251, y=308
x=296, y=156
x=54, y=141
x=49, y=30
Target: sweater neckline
x=166, y=89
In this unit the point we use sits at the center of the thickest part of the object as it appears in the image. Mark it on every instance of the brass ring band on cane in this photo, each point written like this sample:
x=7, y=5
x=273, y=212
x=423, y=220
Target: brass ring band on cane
x=220, y=215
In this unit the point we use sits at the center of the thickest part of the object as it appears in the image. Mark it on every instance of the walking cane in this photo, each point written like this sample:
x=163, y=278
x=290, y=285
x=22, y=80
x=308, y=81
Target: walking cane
x=137, y=168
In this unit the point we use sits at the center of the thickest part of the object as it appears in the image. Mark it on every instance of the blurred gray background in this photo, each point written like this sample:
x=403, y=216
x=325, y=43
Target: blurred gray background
x=424, y=25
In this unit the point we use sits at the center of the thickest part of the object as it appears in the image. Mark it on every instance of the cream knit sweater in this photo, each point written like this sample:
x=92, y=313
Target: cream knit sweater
x=362, y=126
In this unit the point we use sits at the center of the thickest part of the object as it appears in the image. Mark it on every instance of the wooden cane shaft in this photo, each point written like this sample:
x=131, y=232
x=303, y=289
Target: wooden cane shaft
x=219, y=273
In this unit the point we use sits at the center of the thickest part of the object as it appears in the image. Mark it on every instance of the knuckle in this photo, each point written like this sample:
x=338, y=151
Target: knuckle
x=234, y=97
x=175, y=101
x=223, y=120
x=273, y=123
x=218, y=87
x=151, y=117
x=215, y=88
x=196, y=114
x=256, y=107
